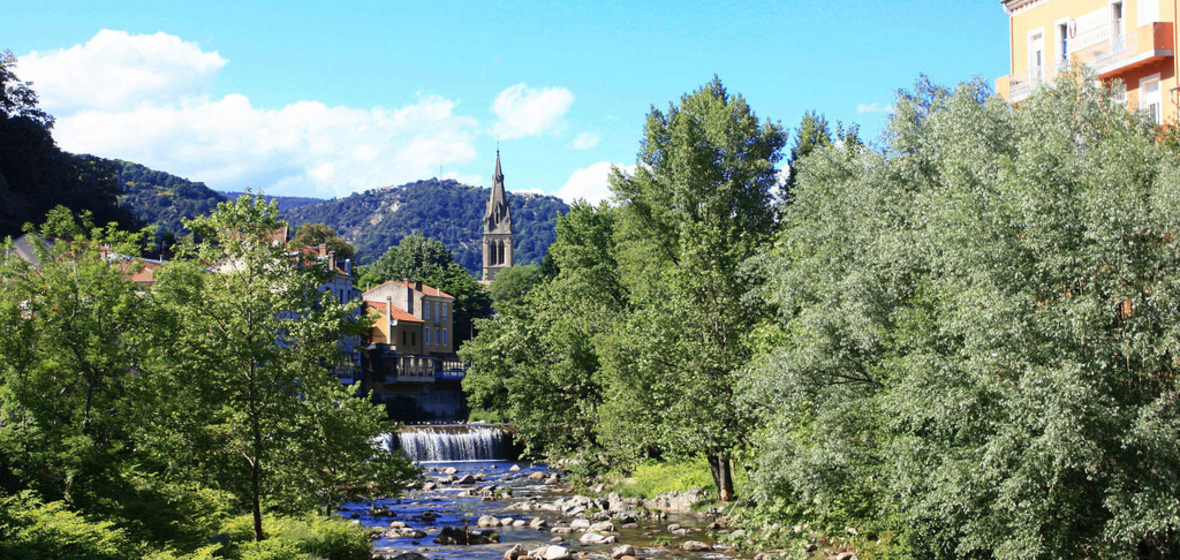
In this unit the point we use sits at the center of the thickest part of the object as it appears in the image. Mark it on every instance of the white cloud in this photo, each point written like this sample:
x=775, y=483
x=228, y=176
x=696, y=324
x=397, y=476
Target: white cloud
x=585, y=141
x=863, y=108
x=115, y=70
x=592, y=183
x=524, y=111
x=148, y=102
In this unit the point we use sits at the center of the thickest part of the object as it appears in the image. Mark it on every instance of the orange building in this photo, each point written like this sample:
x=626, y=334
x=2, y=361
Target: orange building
x=1130, y=41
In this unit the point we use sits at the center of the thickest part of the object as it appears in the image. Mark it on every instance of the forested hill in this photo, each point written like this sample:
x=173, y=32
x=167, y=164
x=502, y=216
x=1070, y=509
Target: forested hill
x=157, y=197
x=285, y=202
x=445, y=210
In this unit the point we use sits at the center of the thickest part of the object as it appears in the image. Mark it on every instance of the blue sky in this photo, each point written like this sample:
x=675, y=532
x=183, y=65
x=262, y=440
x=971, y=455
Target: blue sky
x=323, y=99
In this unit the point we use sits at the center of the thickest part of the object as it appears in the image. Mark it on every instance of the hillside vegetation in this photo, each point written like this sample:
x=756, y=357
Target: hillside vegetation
x=161, y=198
x=445, y=210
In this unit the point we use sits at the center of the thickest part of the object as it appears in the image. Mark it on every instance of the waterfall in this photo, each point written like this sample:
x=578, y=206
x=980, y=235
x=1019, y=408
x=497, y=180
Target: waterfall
x=453, y=443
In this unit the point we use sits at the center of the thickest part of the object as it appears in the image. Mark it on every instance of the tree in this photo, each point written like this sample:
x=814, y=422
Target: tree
x=245, y=392
x=314, y=235
x=978, y=332
x=416, y=258
x=71, y=337
x=471, y=299
x=513, y=284
x=695, y=210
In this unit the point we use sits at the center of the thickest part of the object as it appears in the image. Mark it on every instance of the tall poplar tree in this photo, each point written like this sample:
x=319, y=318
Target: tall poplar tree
x=698, y=206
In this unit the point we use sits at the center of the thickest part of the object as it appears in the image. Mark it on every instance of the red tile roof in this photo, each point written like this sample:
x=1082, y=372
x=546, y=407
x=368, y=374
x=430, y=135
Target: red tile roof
x=428, y=290
x=398, y=313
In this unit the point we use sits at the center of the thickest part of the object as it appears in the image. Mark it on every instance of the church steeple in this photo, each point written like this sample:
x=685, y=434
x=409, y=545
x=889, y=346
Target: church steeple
x=497, y=228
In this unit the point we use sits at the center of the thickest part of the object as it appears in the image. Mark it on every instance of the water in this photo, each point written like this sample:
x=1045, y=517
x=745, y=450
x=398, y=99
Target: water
x=432, y=444
x=453, y=505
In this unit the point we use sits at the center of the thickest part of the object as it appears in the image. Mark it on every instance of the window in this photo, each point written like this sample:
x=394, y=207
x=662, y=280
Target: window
x=427, y=336
x=444, y=336
x=414, y=339
x=1150, y=98
x=405, y=340
x=1118, y=93
x=1063, y=42
x=1149, y=12
x=1036, y=57
x=444, y=311
x=1116, y=20
x=436, y=336
x=426, y=310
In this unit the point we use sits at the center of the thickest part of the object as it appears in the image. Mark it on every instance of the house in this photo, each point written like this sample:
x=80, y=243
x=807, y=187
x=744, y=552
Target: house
x=412, y=365
x=1129, y=44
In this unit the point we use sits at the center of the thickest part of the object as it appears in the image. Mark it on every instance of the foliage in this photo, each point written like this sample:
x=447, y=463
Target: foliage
x=311, y=537
x=35, y=175
x=314, y=235
x=977, y=332
x=538, y=363
x=31, y=530
x=512, y=284
x=695, y=210
x=70, y=338
x=445, y=210
x=162, y=199
x=650, y=478
x=285, y=202
x=245, y=397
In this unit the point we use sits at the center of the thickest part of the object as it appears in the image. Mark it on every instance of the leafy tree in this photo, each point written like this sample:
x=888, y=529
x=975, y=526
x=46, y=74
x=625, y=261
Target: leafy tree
x=416, y=258
x=314, y=235
x=471, y=299
x=697, y=207
x=513, y=284
x=246, y=394
x=71, y=336
x=978, y=332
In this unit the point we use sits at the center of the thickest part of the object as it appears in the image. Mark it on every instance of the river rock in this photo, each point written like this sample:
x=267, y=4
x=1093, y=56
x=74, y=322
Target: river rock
x=676, y=502
x=404, y=533
x=429, y=486
x=602, y=526
x=519, y=523
x=580, y=524
x=595, y=538
x=695, y=546
x=515, y=552
x=537, y=523
x=846, y=556
x=620, y=551
x=514, y=468
x=673, y=527
x=450, y=470
x=409, y=556
x=488, y=521
x=552, y=480
x=467, y=479
x=537, y=476
x=506, y=521
x=554, y=552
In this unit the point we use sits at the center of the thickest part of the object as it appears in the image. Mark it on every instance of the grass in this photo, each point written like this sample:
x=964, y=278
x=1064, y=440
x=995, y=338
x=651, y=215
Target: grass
x=652, y=478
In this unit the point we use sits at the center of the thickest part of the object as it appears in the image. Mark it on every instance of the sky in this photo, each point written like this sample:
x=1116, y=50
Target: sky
x=324, y=99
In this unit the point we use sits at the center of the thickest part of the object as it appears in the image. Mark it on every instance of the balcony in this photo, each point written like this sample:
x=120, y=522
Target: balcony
x=1146, y=45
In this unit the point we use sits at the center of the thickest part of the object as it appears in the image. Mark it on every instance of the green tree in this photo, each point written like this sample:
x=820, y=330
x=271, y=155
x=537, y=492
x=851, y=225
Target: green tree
x=314, y=235
x=245, y=392
x=696, y=209
x=513, y=284
x=978, y=332
x=471, y=299
x=415, y=257
x=71, y=336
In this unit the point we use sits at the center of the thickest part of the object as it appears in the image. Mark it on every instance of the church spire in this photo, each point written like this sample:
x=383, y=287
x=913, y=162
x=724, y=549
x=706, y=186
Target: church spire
x=497, y=228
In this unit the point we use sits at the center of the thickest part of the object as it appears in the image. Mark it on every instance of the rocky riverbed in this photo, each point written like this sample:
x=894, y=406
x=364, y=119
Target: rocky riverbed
x=520, y=511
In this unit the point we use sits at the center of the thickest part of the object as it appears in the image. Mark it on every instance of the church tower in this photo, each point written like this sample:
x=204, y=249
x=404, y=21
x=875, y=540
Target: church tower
x=497, y=229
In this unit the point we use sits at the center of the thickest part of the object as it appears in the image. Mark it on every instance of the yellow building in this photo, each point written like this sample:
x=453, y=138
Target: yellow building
x=1130, y=41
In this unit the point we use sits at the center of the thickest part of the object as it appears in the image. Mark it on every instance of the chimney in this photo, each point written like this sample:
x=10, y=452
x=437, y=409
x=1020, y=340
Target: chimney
x=418, y=285
x=348, y=266
x=331, y=260
x=323, y=249
x=389, y=309
x=409, y=296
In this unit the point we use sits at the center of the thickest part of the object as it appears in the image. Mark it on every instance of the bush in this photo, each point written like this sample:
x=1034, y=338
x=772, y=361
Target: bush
x=30, y=529
x=326, y=538
x=651, y=478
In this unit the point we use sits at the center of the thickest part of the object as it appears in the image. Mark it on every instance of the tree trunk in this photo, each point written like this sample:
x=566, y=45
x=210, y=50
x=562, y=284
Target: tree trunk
x=722, y=476
x=255, y=500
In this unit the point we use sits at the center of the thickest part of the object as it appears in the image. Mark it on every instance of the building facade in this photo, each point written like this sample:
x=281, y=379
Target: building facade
x=1129, y=44
x=497, y=229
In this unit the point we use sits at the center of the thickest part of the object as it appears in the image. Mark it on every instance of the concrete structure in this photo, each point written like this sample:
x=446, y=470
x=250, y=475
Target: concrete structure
x=1128, y=43
x=497, y=229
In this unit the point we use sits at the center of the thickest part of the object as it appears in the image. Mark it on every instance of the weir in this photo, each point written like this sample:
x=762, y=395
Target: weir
x=452, y=443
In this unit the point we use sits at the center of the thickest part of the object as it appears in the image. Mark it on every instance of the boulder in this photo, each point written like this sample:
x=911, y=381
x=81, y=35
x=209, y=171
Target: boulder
x=602, y=526
x=514, y=468
x=580, y=525
x=506, y=521
x=450, y=470
x=466, y=479
x=488, y=521
x=409, y=556
x=404, y=533
x=673, y=527
x=537, y=523
x=595, y=538
x=554, y=552
x=620, y=551
x=695, y=546
x=537, y=476
x=515, y=552
x=552, y=480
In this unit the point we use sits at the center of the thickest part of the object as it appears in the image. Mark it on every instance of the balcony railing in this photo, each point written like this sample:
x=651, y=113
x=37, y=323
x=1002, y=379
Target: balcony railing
x=1147, y=44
